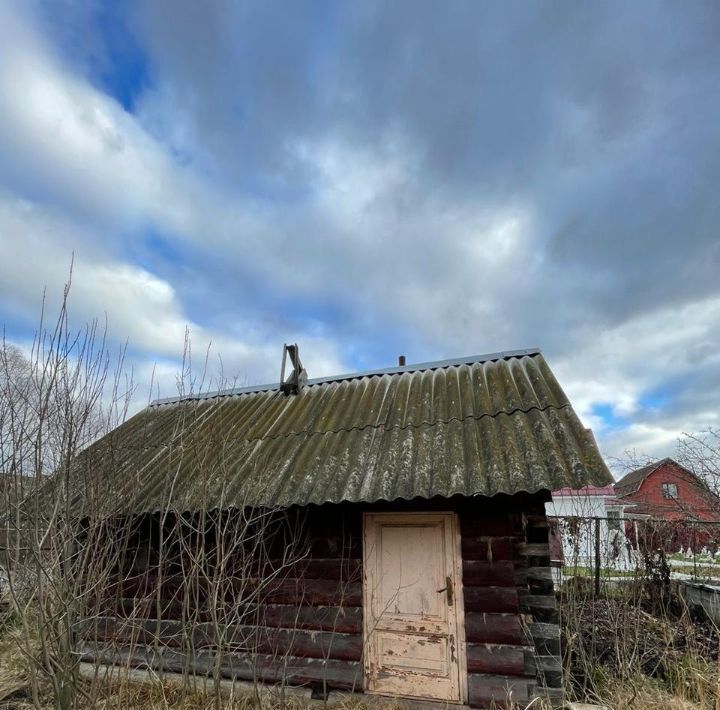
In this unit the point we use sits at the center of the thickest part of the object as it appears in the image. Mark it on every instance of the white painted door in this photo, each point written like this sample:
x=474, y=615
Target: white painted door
x=411, y=591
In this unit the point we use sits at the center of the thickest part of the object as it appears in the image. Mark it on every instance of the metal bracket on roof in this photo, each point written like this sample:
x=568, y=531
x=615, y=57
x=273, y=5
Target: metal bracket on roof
x=298, y=377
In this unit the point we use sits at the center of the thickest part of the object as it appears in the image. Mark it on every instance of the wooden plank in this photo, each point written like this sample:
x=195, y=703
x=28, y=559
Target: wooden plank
x=479, y=573
x=344, y=675
x=273, y=641
x=286, y=590
x=336, y=547
x=537, y=535
x=544, y=631
x=504, y=691
x=546, y=638
x=314, y=592
x=491, y=599
x=479, y=547
x=494, y=628
x=539, y=574
x=325, y=568
x=530, y=602
x=345, y=619
x=492, y=658
x=534, y=549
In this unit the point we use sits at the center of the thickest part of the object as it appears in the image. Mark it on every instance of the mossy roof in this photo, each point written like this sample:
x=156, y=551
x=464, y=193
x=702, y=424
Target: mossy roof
x=481, y=426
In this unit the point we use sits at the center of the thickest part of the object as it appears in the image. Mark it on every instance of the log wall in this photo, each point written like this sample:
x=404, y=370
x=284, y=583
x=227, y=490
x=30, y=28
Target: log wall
x=307, y=625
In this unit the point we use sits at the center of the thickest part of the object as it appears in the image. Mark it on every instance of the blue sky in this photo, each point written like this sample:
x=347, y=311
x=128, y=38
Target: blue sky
x=370, y=179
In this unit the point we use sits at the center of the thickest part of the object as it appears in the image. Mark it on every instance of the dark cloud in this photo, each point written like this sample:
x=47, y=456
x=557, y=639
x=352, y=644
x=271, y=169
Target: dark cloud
x=438, y=178
x=598, y=117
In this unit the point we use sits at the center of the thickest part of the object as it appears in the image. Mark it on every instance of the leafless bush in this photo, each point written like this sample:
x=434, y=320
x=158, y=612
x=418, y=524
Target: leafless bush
x=177, y=587
x=631, y=626
x=701, y=454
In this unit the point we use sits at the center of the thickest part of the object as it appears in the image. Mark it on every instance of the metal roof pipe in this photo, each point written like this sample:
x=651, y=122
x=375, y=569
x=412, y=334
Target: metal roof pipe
x=401, y=361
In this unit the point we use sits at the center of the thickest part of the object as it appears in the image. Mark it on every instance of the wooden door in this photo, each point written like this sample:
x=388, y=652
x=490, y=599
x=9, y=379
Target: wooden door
x=413, y=603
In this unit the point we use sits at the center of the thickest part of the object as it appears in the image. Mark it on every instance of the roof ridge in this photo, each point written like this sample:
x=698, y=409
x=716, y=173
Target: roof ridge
x=399, y=370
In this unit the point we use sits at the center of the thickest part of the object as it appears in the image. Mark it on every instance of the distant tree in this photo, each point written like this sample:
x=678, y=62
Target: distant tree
x=631, y=460
x=700, y=453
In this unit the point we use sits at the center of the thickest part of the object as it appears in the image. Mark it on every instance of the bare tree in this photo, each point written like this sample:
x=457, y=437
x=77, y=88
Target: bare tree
x=701, y=454
x=53, y=403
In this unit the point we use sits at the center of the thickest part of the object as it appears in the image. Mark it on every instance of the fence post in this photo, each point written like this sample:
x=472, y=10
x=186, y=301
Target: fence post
x=597, y=556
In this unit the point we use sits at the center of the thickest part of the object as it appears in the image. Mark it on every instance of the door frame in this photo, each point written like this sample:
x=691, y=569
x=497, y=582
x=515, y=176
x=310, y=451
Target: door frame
x=458, y=608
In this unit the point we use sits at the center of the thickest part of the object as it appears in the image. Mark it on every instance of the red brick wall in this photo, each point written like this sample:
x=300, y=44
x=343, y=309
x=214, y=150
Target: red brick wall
x=692, y=501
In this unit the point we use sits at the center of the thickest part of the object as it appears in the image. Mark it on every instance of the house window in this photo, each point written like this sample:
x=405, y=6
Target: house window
x=613, y=519
x=669, y=490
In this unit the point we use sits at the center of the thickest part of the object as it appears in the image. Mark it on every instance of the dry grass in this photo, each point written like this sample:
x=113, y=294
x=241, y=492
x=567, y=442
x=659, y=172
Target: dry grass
x=635, y=648
x=644, y=693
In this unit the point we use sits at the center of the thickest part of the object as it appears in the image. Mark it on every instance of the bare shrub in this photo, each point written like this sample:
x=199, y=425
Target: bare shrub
x=96, y=576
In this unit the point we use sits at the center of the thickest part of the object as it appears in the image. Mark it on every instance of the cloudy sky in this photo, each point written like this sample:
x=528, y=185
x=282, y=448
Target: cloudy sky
x=369, y=179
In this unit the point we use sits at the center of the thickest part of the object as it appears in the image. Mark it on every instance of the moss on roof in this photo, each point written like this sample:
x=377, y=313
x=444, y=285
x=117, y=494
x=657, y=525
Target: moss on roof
x=498, y=426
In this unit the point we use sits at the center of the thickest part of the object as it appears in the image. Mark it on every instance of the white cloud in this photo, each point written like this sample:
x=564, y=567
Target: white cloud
x=138, y=305
x=619, y=366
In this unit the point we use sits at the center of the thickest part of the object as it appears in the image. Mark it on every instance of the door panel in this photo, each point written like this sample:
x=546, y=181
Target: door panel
x=411, y=616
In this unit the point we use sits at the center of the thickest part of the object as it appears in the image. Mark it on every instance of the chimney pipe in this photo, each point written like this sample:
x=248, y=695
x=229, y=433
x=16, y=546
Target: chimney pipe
x=401, y=361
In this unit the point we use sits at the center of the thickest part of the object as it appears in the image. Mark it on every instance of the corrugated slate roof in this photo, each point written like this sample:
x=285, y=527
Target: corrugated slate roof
x=475, y=426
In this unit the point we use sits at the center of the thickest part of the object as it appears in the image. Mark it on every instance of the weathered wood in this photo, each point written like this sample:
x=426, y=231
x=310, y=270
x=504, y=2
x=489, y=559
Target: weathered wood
x=344, y=675
x=494, y=628
x=534, y=549
x=503, y=691
x=326, y=568
x=345, y=619
x=492, y=658
x=491, y=599
x=479, y=547
x=314, y=592
x=336, y=547
x=254, y=639
x=480, y=573
x=537, y=601
x=286, y=589
x=546, y=638
x=320, y=618
x=505, y=525
x=540, y=580
x=542, y=607
x=539, y=574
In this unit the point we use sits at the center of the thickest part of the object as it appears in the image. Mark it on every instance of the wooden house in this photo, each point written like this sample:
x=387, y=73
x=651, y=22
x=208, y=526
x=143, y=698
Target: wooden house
x=665, y=490
x=673, y=508
x=394, y=537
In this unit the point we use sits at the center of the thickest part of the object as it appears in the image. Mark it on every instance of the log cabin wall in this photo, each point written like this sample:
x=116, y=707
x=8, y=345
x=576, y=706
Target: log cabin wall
x=306, y=628
x=293, y=614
